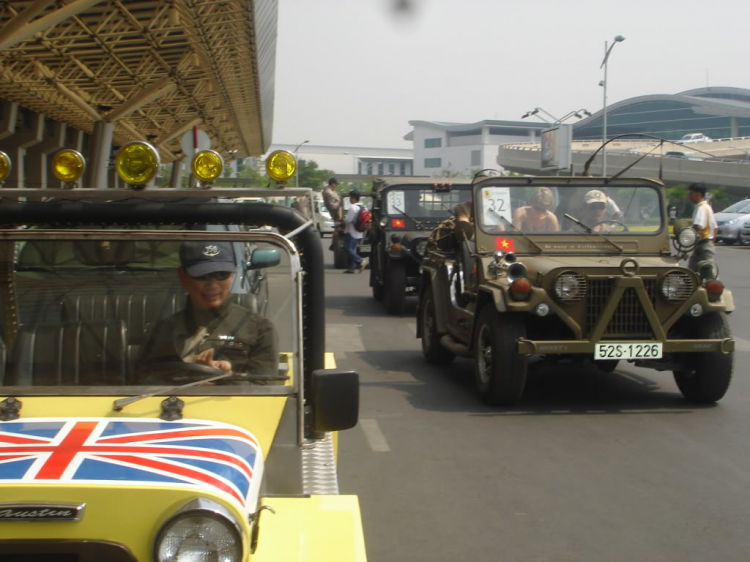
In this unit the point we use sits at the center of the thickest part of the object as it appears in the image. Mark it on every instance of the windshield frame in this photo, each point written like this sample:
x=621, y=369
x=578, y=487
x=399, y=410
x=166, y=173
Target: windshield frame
x=383, y=195
x=278, y=240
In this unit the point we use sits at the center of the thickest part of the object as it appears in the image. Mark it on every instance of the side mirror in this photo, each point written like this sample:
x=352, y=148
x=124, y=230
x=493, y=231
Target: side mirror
x=264, y=257
x=335, y=399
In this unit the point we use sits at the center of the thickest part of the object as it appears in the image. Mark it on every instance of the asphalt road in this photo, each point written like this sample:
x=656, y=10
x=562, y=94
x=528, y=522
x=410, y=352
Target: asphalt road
x=589, y=467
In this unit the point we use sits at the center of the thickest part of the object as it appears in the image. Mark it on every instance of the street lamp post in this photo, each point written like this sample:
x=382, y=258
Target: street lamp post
x=603, y=83
x=296, y=170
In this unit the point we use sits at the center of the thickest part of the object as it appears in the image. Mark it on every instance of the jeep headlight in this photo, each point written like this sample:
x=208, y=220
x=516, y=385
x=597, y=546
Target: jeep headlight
x=677, y=286
x=420, y=247
x=202, y=531
x=686, y=238
x=570, y=286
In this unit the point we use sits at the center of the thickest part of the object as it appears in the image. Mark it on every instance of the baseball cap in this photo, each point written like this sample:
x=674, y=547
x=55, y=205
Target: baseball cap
x=595, y=196
x=200, y=258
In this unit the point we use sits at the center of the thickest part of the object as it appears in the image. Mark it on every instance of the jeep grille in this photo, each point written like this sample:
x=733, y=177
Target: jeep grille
x=629, y=319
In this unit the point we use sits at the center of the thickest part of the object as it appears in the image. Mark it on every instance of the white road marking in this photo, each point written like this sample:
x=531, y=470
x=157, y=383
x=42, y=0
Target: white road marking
x=374, y=436
x=741, y=344
x=342, y=338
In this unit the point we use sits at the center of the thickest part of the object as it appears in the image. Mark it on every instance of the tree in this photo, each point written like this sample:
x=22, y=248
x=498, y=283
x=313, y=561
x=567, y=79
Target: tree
x=309, y=175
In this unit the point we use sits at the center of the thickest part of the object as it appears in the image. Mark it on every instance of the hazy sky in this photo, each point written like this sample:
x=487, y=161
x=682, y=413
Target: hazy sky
x=354, y=72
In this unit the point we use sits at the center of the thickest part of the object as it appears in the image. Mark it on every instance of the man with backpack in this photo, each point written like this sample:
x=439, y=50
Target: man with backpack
x=354, y=227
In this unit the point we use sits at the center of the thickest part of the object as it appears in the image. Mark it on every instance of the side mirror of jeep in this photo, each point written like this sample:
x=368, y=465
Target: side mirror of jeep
x=335, y=399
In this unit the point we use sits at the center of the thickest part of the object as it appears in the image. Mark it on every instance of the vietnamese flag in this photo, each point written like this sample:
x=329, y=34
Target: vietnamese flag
x=505, y=245
x=398, y=223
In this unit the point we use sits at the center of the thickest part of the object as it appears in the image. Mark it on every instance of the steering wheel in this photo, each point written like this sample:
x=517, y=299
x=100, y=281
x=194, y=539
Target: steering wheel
x=177, y=372
x=611, y=221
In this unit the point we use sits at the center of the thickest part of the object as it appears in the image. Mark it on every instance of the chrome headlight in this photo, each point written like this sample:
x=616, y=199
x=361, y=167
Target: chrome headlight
x=201, y=531
x=731, y=221
x=686, y=238
x=677, y=286
x=570, y=286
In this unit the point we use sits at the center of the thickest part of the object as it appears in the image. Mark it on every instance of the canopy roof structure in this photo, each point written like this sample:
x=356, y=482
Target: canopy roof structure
x=153, y=68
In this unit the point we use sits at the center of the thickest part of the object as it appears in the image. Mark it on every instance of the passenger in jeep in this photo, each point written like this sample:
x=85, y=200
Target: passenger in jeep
x=211, y=330
x=537, y=217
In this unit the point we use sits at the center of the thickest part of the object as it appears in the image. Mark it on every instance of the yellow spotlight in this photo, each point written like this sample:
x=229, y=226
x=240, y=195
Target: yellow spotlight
x=68, y=165
x=4, y=166
x=280, y=165
x=137, y=162
x=207, y=165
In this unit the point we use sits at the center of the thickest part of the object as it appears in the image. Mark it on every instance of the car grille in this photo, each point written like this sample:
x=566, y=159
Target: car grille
x=63, y=551
x=629, y=318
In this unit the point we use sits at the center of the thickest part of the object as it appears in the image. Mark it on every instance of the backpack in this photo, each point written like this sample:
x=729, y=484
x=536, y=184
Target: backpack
x=363, y=219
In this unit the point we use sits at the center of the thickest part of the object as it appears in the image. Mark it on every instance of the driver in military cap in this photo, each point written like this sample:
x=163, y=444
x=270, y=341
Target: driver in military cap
x=212, y=330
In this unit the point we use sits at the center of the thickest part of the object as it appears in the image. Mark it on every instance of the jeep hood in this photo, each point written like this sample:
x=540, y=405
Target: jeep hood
x=129, y=473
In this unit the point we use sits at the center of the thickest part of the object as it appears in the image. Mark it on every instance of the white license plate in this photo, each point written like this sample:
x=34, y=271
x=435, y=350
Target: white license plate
x=365, y=247
x=629, y=350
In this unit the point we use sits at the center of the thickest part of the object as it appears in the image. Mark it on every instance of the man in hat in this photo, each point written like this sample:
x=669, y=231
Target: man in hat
x=212, y=330
x=332, y=201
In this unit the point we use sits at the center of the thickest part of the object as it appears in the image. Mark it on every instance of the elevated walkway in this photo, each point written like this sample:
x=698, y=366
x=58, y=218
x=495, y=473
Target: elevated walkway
x=724, y=162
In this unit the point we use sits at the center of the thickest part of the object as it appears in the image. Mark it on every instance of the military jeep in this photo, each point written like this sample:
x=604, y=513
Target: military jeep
x=404, y=213
x=593, y=279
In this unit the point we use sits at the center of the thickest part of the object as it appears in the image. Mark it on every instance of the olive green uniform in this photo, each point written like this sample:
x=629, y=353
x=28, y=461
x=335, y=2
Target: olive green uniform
x=248, y=341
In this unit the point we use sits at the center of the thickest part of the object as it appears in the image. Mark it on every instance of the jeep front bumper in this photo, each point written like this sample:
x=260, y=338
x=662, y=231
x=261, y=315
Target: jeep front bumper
x=558, y=347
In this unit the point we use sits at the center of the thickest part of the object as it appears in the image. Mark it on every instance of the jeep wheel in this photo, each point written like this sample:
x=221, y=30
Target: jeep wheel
x=706, y=376
x=377, y=287
x=339, y=255
x=499, y=371
x=395, y=287
x=433, y=352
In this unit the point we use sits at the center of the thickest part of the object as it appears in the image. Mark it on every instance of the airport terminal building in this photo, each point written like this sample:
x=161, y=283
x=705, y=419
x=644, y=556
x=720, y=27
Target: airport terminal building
x=717, y=112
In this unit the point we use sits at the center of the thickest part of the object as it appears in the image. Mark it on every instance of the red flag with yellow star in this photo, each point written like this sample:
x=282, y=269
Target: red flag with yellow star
x=398, y=223
x=505, y=245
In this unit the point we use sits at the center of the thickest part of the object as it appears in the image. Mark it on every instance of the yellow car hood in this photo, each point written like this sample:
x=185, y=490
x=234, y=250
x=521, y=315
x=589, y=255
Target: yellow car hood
x=198, y=455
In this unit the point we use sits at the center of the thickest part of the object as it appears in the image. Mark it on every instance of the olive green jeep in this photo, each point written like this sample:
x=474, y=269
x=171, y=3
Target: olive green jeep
x=573, y=268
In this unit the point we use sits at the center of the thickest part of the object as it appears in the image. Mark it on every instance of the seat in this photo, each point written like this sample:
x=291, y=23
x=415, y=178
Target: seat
x=138, y=310
x=71, y=353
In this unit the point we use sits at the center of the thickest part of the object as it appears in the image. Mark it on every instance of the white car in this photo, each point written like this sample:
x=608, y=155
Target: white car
x=323, y=221
x=691, y=138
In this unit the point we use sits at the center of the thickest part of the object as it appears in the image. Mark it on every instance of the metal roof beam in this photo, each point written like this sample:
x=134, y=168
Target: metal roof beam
x=18, y=30
x=147, y=95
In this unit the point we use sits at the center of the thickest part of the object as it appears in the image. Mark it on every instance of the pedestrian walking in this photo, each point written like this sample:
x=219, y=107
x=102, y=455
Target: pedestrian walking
x=352, y=236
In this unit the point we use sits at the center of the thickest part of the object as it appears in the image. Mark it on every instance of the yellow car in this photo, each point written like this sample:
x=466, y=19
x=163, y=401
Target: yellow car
x=119, y=452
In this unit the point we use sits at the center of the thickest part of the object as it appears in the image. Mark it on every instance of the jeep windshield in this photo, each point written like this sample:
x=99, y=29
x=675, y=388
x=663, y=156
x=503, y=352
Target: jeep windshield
x=423, y=203
x=115, y=312
x=569, y=210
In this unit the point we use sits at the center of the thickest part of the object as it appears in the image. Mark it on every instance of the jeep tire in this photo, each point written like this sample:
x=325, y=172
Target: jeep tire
x=395, y=287
x=499, y=371
x=377, y=287
x=340, y=258
x=706, y=377
x=433, y=352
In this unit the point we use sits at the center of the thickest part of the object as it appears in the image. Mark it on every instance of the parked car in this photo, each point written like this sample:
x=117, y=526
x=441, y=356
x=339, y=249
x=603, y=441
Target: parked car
x=691, y=138
x=322, y=218
x=682, y=154
x=730, y=221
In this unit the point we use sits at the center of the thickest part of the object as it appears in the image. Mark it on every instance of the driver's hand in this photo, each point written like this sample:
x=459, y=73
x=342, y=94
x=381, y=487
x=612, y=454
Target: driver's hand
x=207, y=358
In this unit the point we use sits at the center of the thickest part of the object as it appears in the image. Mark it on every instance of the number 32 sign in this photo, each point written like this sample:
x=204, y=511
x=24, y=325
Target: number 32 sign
x=496, y=204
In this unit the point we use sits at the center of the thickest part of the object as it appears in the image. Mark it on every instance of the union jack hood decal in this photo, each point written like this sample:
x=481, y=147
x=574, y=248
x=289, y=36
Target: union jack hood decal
x=198, y=454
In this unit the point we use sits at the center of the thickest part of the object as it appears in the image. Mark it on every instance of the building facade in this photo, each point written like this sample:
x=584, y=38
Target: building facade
x=718, y=112
x=461, y=149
